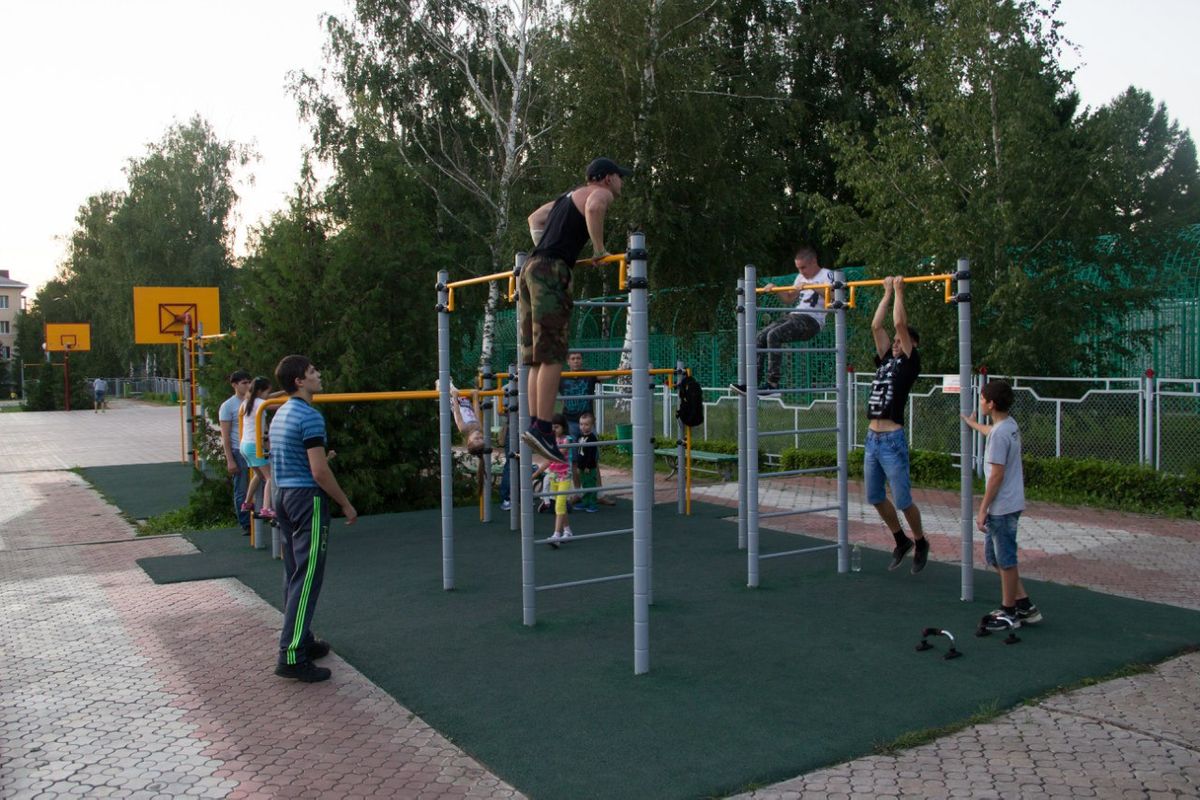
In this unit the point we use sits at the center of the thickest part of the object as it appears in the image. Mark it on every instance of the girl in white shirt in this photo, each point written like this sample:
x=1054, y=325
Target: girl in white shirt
x=260, y=468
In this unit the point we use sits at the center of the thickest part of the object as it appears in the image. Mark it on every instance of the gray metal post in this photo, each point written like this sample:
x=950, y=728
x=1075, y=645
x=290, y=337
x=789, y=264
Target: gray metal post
x=750, y=434
x=742, y=380
x=185, y=393
x=200, y=393
x=513, y=445
x=643, y=459
x=444, y=435
x=523, y=481
x=486, y=415
x=843, y=423
x=965, y=401
x=680, y=450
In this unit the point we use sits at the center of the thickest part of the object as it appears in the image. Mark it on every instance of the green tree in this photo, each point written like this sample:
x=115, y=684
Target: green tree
x=983, y=156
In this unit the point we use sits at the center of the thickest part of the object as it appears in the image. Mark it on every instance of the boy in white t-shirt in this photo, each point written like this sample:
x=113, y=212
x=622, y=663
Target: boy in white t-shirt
x=802, y=323
x=1003, y=502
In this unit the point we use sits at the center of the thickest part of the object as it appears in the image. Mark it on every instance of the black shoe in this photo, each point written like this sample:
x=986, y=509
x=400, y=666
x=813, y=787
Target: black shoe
x=318, y=649
x=245, y=531
x=899, y=552
x=738, y=388
x=305, y=672
x=921, y=556
x=1029, y=616
x=543, y=444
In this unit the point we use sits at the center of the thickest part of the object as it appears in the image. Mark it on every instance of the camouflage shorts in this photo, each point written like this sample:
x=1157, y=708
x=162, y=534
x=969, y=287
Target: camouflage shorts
x=544, y=310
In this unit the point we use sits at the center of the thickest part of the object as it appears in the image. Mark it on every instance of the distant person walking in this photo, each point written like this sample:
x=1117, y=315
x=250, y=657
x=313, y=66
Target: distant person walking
x=231, y=438
x=99, y=389
x=886, y=458
x=559, y=229
x=306, y=485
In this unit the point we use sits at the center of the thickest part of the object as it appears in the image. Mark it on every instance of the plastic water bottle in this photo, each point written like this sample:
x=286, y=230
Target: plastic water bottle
x=856, y=558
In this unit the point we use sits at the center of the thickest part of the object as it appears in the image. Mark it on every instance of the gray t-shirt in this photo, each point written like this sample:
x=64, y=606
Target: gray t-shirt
x=1004, y=448
x=228, y=412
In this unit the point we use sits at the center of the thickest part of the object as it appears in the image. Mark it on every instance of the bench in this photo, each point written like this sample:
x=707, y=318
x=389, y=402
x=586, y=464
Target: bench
x=723, y=464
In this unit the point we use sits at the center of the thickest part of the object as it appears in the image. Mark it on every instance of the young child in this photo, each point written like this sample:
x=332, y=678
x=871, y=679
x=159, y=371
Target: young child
x=559, y=473
x=1003, y=502
x=260, y=468
x=587, y=463
x=466, y=420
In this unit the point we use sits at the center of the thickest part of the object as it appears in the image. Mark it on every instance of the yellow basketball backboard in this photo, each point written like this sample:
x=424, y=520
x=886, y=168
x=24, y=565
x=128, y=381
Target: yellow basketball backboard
x=160, y=312
x=74, y=337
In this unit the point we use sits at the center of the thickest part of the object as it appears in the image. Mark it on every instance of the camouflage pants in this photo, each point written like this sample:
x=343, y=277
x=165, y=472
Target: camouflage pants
x=544, y=310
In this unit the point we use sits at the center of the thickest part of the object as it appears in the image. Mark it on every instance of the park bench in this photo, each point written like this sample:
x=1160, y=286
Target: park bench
x=723, y=464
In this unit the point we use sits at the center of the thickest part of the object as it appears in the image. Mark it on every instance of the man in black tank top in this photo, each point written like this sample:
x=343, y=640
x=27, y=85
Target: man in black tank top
x=559, y=229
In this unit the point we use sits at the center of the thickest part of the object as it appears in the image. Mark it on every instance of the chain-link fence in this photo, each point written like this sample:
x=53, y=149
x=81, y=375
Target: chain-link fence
x=1125, y=420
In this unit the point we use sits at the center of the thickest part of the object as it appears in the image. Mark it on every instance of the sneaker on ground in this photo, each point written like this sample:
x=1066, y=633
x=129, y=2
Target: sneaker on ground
x=738, y=388
x=544, y=445
x=305, y=672
x=506, y=505
x=590, y=509
x=899, y=552
x=1001, y=620
x=319, y=648
x=568, y=533
x=555, y=538
x=921, y=556
x=1029, y=616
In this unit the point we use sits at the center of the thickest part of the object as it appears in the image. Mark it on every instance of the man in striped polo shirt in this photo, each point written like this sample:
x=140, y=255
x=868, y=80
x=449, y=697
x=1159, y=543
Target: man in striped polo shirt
x=305, y=486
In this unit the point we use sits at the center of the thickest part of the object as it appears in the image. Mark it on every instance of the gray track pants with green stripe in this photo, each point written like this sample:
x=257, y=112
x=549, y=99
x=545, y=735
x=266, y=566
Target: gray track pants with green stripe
x=303, y=517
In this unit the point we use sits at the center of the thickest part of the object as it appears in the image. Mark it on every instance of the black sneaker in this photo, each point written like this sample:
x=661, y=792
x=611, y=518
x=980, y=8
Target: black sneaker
x=738, y=388
x=899, y=552
x=318, y=649
x=921, y=556
x=1000, y=620
x=1029, y=616
x=305, y=672
x=543, y=444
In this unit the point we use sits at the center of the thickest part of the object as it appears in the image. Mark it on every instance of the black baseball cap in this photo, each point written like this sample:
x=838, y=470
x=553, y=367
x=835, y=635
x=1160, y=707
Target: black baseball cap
x=601, y=168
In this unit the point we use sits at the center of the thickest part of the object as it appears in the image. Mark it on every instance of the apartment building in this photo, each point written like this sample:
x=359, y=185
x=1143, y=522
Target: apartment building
x=12, y=302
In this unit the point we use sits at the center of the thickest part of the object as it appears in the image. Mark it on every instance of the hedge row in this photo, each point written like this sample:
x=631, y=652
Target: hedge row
x=1063, y=480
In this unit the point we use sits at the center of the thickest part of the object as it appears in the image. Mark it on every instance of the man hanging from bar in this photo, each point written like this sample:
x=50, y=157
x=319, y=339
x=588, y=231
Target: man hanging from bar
x=559, y=229
x=898, y=365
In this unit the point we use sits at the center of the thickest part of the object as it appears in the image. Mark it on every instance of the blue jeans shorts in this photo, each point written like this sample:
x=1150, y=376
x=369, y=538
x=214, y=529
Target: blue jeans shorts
x=1000, y=542
x=887, y=459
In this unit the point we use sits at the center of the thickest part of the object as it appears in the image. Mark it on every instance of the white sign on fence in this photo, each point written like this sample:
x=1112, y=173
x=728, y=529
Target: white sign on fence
x=951, y=384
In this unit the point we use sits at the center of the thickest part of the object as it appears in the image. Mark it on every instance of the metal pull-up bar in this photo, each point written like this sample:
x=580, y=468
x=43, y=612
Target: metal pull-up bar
x=511, y=276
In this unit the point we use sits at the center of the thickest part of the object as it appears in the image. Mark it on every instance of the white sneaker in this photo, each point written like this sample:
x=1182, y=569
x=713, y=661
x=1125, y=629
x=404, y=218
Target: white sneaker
x=555, y=538
x=506, y=505
x=567, y=534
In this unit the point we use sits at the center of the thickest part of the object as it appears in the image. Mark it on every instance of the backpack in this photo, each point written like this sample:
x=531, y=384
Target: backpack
x=691, y=402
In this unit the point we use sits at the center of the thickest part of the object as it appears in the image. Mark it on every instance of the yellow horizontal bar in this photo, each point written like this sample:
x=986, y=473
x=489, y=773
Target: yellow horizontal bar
x=495, y=276
x=854, y=285
x=590, y=373
x=355, y=397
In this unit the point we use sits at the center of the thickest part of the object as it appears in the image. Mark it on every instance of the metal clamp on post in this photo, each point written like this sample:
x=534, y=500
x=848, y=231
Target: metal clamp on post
x=962, y=275
x=636, y=254
x=638, y=283
x=961, y=297
x=441, y=308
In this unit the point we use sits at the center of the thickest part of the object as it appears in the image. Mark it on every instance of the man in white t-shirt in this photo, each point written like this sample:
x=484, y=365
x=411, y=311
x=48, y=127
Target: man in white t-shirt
x=804, y=322
x=235, y=464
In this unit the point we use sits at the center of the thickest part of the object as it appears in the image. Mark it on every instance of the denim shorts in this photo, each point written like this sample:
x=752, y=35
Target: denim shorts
x=1000, y=542
x=887, y=459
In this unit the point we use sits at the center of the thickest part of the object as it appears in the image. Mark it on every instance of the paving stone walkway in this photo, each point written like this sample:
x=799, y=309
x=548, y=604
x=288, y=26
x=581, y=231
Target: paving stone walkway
x=112, y=686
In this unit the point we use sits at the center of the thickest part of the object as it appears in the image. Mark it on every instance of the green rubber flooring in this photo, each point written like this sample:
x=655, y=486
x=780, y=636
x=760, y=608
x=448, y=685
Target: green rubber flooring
x=746, y=687
x=143, y=490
